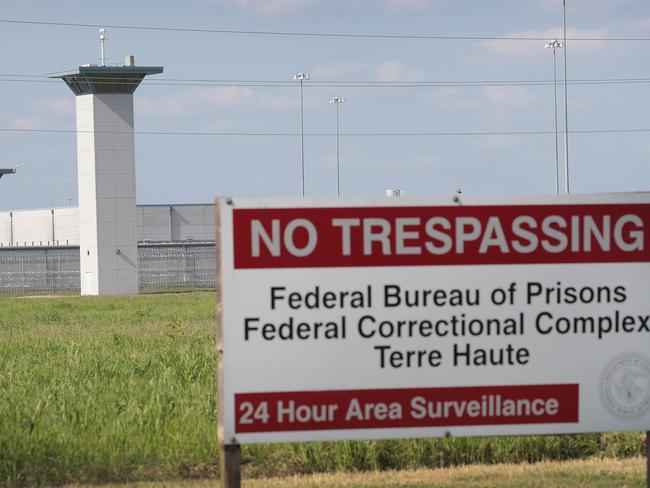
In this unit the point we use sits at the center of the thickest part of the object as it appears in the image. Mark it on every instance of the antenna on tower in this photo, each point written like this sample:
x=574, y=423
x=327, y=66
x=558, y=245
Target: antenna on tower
x=102, y=36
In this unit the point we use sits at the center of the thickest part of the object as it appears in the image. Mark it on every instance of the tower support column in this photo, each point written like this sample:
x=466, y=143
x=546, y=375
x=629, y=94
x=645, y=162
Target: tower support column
x=106, y=182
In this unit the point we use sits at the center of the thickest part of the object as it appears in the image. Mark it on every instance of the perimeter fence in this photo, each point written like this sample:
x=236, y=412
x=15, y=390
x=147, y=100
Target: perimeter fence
x=161, y=267
x=173, y=267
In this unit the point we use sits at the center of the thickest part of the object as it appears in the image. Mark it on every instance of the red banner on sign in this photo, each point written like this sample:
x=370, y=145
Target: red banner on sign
x=411, y=407
x=430, y=236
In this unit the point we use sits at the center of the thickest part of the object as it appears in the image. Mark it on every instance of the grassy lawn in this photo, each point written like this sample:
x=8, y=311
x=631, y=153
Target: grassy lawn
x=106, y=388
x=593, y=473
x=100, y=389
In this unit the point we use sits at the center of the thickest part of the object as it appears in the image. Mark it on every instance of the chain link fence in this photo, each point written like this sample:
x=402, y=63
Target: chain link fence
x=176, y=267
x=39, y=269
x=161, y=267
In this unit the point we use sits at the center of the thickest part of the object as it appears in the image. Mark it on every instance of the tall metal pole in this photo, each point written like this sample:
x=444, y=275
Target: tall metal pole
x=300, y=77
x=557, y=156
x=302, y=145
x=53, y=226
x=566, y=110
x=338, y=155
x=338, y=101
x=555, y=44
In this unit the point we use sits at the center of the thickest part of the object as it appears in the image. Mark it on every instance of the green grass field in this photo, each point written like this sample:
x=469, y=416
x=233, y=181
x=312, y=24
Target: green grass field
x=123, y=389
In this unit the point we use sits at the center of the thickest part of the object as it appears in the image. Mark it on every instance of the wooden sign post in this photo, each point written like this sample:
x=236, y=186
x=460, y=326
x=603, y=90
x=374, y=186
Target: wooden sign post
x=229, y=452
x=230, y=466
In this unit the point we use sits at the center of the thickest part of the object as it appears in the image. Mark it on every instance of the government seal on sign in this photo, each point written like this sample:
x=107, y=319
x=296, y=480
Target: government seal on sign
x=625, y=386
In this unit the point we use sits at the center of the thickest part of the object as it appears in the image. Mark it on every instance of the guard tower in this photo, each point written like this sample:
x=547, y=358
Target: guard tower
x=7, y=171
x=106, y=174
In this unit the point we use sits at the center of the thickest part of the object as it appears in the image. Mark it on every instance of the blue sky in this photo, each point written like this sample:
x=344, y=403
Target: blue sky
x=196, y=168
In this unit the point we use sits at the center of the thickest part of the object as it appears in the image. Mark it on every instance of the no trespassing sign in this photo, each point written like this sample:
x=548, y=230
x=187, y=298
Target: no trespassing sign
x=400, y=317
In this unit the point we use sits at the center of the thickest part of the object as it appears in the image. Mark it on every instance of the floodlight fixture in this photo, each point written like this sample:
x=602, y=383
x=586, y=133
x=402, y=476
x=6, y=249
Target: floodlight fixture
x=555, y=44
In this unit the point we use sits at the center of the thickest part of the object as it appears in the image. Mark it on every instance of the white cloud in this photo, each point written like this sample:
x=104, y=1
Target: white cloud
x=22, y=3
x=271, y=8
x=421, y=162
x=581, y=5
x=168, y=106
x=579, y=106
x=443, y=93
x=448, y=97
x=56, y=112
x=505, y=47
x=644, y=24
x=196, y=98
x=57, y=106
x=508, y=97
x=389, y=71
x=286, y=8
x=27, y=123
x=338, y=71
x=218, y=97
x=218, y=125
x=277, y=102
x=396, y=71
x=408, y=5
x=496, y=142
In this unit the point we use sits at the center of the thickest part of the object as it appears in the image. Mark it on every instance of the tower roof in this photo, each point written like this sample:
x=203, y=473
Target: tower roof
x=7, y=171
x=91, y=79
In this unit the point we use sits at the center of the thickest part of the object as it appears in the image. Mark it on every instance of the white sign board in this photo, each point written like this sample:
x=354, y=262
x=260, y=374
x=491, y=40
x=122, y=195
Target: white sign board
x=401, y=317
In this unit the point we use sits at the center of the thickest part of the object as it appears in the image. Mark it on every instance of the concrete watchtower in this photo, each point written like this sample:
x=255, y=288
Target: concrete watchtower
x=106, y=174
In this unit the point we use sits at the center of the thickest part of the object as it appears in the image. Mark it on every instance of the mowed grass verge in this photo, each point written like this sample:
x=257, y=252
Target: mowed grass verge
x=123, y=389
x=592, y=473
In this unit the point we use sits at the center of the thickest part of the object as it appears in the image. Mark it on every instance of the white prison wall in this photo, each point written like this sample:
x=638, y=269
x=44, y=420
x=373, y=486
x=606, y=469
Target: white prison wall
x=154, y=223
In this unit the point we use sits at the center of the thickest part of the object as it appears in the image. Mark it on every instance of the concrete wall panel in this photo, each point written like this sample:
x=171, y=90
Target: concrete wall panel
x=153, y=223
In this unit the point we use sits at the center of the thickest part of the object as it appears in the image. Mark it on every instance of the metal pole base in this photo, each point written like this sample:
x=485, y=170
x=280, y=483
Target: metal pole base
x=231, y=466
x=647, y=457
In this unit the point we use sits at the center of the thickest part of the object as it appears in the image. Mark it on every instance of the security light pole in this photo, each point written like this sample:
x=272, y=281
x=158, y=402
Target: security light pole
x=338, y=101
x=102, y=37
x=554, y=45
x=301, y=77
x=566, y=110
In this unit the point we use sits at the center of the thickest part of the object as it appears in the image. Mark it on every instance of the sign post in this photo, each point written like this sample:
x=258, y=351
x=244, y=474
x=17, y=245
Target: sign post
x=378, y=318
x=230, y=466
x=229, y=450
